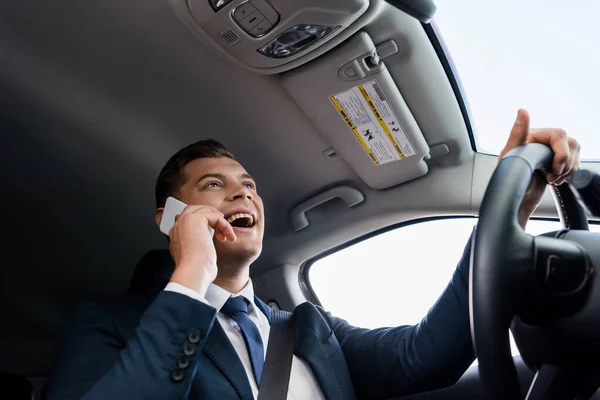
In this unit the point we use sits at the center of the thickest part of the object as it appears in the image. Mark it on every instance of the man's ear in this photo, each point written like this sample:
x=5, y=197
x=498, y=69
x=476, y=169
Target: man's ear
x=158, y=215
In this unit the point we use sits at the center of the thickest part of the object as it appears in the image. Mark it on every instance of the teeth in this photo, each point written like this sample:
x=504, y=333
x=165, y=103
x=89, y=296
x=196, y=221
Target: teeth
x=241, y=215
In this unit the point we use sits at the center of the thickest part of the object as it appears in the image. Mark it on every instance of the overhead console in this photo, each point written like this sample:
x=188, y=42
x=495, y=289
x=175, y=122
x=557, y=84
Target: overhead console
x=271, y=36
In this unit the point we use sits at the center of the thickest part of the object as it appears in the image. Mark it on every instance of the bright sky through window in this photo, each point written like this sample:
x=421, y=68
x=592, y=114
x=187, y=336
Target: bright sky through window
x=537, y=54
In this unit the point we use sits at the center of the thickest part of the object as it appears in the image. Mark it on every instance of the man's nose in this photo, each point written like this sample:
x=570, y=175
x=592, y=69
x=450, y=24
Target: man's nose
x=242, y=192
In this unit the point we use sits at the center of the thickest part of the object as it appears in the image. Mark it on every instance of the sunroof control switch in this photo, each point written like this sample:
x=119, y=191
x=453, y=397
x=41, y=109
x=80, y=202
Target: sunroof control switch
x=256, y=17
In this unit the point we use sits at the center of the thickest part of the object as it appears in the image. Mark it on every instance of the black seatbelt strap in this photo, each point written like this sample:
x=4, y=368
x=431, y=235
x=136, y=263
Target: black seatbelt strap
x=278, y=361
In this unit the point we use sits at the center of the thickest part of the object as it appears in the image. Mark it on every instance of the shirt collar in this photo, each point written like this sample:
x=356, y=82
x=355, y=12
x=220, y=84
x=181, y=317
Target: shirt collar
x=217, y=296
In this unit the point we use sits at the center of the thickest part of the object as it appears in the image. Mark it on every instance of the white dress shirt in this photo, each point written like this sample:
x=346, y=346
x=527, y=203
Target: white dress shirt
x=303, y=384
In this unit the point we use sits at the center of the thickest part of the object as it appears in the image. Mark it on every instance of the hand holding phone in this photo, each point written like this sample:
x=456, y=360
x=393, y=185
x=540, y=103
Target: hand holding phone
x=194, y=251
x=172, y=208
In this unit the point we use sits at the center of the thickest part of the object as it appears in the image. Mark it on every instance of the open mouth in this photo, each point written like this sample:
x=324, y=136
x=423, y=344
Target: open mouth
x=241, y=220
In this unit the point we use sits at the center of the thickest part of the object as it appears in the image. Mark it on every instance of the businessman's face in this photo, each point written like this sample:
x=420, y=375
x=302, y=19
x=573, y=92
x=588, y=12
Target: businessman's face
x=224, y=184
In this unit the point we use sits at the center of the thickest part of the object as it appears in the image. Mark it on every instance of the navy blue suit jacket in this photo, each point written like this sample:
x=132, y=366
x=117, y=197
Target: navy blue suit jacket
x=129, y=347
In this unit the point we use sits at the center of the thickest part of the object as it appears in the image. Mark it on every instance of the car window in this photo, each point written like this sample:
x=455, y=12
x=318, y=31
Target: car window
x=403, y=270
x=504, y=69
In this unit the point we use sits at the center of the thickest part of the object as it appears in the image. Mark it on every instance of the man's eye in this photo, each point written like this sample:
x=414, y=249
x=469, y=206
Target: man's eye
x=212, y=185
x=249, y=185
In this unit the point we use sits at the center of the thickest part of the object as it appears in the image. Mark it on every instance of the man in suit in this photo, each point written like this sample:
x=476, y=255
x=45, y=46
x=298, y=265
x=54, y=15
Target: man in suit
x=203, y=335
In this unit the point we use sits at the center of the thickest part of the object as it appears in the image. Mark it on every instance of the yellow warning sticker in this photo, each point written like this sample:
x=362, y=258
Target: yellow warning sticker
x=370, y=117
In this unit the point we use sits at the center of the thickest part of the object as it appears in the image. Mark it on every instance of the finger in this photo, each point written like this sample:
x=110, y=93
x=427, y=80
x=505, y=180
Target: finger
x=219, y=235
x=573, y=160
x=213, y=219
x=223, y=229
x=573, y=163
x=191, y=209
x=226, y=230
x=518, y=133
x=558, y=141
x=213, y=211
x=575, y=148
x=203, y=210
x=566, y=172
x=188, y=210
x=560, y=181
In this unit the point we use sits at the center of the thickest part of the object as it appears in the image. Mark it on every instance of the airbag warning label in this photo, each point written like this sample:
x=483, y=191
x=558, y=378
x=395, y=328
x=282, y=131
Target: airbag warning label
x=369, y=116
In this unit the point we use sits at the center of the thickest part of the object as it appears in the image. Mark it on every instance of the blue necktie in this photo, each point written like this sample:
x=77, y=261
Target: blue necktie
x=236, y=308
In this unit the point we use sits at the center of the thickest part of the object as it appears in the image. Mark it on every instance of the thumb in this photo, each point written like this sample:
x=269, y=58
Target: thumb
x=518, y=133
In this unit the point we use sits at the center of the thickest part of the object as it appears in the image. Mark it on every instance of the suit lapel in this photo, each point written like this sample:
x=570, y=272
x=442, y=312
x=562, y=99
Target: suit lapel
x=263, y=307
x=316, y=343
x=220, y=351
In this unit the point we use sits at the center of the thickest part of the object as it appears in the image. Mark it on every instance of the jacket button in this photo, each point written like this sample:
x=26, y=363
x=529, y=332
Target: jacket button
x=194, y=336
x=183, y=362
x=177, y=375
x=189, y=349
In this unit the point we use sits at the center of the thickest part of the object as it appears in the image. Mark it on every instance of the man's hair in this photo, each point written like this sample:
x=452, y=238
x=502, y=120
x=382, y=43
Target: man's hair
x=171, y=177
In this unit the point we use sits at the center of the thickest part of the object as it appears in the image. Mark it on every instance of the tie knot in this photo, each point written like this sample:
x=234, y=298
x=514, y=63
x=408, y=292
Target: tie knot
x=235, y=305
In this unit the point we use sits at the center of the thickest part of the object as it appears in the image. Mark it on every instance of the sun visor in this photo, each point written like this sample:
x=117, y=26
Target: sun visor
x=352, y=99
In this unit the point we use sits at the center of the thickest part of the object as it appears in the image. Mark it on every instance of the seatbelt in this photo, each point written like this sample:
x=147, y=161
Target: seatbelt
x=278, y=361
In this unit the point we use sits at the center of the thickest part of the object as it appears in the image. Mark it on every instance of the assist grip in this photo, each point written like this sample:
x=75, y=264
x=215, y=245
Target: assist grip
x=349, y=195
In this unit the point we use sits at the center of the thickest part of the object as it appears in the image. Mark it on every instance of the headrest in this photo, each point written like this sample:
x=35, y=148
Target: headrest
x=152, y=273
x=15, y=387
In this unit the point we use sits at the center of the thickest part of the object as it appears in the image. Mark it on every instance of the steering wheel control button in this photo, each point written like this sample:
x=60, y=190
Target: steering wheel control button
x=563, y=275
x=177, y=375
x=555, y=270
x=561, y=266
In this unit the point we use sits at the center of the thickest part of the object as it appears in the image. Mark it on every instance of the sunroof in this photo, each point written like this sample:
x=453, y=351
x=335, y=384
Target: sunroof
x=540, y=55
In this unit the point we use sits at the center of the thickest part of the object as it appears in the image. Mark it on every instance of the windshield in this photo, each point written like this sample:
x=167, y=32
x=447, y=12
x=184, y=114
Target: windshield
x=537, y=54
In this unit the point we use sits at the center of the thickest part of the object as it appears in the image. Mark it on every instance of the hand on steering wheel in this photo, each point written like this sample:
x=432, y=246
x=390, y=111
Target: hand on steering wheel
x=566, y=159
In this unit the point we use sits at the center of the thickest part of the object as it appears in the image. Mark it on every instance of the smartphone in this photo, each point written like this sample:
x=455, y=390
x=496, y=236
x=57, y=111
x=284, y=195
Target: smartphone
x=172, y=208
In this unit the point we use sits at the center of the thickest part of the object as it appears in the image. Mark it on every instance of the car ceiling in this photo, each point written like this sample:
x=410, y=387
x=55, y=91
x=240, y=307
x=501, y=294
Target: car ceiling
x=97, y=96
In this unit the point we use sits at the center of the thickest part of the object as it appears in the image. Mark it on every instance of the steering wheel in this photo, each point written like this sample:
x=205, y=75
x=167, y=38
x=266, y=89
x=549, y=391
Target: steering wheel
x=543, y=288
